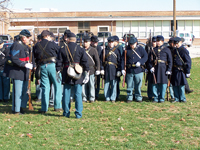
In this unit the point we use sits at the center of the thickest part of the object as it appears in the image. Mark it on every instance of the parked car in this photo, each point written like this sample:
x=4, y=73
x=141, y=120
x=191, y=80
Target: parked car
x=101, y=35
x=7, y=38
x=186, y=35
x=128, y=37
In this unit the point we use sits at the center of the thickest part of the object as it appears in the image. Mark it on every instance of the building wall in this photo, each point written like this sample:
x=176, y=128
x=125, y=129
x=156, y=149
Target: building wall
x=103, y=14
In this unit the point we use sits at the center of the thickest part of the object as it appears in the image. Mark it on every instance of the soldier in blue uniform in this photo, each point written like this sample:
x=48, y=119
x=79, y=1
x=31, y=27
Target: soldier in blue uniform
x=171, y=47
x=45, y=55
x=147, y=70
x=120, y=48
x=135, y=58
x=160, y=62
x=94, y=43
x=72, y=54
x=94, y=65
x=38, y=81
x=180, y=71
x=4, y=81
x=17, y=68
x=112, y=69
x=52, y=89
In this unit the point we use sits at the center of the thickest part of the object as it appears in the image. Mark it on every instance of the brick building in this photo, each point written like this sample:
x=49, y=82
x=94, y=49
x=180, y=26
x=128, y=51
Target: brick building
x=117, y=22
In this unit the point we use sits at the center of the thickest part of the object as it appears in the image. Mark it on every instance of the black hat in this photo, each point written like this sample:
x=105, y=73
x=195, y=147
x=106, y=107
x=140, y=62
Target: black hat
x=52, y=35
x=86, y=38
x=1, y=40
x=177, y=39
x=39, y=37
x=110, y=39
x=71, y=34
x=182, y=39
x=45, y=33
x=171, y=40
x=154, y=39
x=132, y=40
x=116, y=38
x=160, y=38
x=94, y=38
x=25, y=32
x=66, y=32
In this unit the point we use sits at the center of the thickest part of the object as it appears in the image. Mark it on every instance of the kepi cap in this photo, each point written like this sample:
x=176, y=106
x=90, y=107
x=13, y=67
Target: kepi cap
x=25, y=32
x=45, y=33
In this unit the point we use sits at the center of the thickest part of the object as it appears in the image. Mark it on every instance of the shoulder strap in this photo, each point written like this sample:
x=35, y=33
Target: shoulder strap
x=180, y=57
x=87, y=52
x=111, y=51
x=43, y=49
x=136, y=52
x=72, y=57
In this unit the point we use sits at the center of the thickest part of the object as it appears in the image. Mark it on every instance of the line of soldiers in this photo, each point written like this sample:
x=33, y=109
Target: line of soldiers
x=76, y=67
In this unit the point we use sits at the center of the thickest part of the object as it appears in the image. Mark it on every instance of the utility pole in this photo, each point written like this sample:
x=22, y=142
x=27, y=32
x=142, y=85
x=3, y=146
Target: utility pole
x=174, y=14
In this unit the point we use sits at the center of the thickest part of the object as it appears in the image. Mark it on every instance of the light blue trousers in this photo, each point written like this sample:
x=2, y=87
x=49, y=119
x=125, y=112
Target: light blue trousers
x=134, y=81
x=179, y=93
x=66, y=103
x=88, y=89
x=48, y=74
x=159, y=91
x=19, y=95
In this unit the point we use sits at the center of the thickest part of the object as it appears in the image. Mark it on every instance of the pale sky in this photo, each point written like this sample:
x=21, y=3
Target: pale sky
x=106, y=5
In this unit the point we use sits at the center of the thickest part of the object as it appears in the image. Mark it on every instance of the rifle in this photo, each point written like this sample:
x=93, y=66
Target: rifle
x=124, y=78
x=102, y=84
x=151, y=49
x=168, y=85
x=148, y=51
x=123, y=84
x=29, y=82
x=58, y=38
x=81, y=41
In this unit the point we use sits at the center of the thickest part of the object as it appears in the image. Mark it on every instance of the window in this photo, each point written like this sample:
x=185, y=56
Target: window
x=188, y=25
x=62, y=30
x=127, y=26
x=83, y=25
x=119, y=28
x=135, y=28
x=103, y=29
x=54, y=30
x=196, y=30
x=181, y=25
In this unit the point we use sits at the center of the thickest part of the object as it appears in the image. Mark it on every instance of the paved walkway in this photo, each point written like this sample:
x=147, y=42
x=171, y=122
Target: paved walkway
x=194, y=51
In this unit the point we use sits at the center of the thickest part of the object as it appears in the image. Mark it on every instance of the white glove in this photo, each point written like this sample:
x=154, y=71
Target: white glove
x=123, y=72
x=102, y=72
x=146, y=71
x=97, y=72
x=29, y=66
x=138, y=64
x=152, y=70
x=118, y=73
x=188, y=75
x=86, y=79
x=168, y=73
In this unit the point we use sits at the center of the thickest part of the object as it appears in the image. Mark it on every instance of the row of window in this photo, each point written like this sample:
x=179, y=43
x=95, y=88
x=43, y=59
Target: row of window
x=142, y=28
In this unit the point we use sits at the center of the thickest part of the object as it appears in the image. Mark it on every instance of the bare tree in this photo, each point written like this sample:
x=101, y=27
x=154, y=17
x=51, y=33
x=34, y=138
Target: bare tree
x=3, y=9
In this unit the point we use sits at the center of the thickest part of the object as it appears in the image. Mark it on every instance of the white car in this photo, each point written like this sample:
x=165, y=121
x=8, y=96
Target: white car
x=186, y=35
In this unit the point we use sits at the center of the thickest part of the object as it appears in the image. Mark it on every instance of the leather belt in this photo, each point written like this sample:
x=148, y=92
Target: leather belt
x=49, y=60
x=110, y=63
x=130, y=65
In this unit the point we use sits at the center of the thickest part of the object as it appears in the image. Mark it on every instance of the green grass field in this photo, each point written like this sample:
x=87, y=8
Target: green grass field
x=108, y=126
